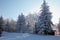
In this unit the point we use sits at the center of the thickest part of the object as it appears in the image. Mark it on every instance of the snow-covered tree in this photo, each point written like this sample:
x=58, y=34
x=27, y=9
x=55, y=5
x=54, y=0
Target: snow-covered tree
x=30, y=21
x=59, y=26
x=7, y=27
x=43, y=26
x=28, y=28
x=13, y=25
x=1, y=24
x=21, y=23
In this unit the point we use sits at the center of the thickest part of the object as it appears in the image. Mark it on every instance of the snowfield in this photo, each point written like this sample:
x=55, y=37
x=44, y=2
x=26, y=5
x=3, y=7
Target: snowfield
x=26, y=36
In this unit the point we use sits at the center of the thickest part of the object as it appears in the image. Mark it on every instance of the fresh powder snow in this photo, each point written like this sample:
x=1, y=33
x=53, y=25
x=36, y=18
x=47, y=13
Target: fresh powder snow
x=26, y=36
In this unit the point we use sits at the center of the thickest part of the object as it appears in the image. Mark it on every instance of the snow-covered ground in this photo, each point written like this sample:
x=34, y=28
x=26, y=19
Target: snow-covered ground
x=26, y=36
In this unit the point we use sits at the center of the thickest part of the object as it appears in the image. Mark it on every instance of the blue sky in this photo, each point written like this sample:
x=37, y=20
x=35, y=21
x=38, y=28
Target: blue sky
x=12, y=8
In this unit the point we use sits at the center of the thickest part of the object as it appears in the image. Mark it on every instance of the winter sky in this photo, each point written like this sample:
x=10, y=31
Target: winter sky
x=12, y=8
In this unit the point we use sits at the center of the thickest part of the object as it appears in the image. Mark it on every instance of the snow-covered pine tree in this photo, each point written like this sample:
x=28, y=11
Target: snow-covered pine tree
x=1, y=24
x=21, y=23
x=43, y=26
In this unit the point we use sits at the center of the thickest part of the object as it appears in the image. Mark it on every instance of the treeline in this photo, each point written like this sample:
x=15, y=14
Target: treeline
x=24, y=24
